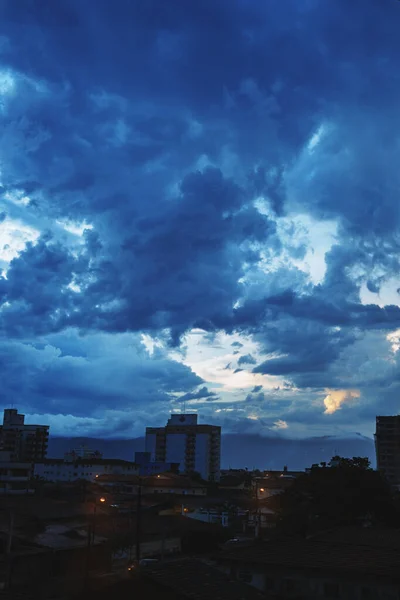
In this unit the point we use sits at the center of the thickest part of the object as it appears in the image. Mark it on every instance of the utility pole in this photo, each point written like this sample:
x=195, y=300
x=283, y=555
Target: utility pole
x=9, y=550
x=138, y=519
x=87, y=565
x=94, y=521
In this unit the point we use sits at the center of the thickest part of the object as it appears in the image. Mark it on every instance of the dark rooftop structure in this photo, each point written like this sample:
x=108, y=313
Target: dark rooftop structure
x=192, y=578
x=330, y=555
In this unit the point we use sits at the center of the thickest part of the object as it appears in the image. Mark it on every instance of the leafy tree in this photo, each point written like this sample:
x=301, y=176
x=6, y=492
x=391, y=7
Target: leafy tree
x=343, y=492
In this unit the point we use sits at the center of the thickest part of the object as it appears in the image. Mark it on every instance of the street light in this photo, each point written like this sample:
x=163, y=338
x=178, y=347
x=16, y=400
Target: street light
x=102, y=499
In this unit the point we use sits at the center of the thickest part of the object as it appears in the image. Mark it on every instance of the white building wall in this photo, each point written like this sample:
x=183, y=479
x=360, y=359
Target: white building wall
x=150, y=444
x=71, y=472
x=176, y=449
x=202, y=456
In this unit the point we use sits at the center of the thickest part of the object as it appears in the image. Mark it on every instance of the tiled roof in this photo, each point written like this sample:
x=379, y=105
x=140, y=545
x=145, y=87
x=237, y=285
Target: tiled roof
x=326, y=556
x=197, y=580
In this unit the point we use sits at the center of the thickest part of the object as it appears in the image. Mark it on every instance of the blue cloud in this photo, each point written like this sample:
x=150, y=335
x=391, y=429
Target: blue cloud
x=160, y=150
x=247, y=359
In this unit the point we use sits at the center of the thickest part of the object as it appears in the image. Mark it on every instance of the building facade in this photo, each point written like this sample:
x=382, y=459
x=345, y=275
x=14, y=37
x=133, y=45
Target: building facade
x=148, y=467
x=387, y=447
x=20, y=442
x=15, y=478
x=61, y=470
x=197, y=448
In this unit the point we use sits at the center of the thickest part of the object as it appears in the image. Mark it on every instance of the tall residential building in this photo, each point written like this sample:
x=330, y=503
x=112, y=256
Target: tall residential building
x=387, y=446
x=20, y=442
x=197, y=448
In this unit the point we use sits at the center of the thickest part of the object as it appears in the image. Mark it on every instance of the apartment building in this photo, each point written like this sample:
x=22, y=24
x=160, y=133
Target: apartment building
x=196, y=447
x=387, y=447
x=20, y=442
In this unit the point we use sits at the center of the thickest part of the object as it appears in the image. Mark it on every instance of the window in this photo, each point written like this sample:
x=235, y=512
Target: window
x=331, y=590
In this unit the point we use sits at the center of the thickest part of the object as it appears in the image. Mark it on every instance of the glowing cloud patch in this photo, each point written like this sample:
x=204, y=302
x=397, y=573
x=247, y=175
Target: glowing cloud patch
x=394, y=339
x=280, y=424
x=14, y=236
x=74, y=227
x=335, y=399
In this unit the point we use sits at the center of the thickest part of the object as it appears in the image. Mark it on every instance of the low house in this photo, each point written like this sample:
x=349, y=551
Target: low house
x=89, y=469
x=166, y=483
x=207, y=515
x=316, y=569
x=240, y=481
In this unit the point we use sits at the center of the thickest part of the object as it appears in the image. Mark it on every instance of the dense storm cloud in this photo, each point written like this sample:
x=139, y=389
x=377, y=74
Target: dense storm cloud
x=199, y=206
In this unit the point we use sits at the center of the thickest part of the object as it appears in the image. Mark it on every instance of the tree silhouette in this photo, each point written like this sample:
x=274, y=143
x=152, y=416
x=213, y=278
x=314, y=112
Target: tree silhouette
x=343, y=492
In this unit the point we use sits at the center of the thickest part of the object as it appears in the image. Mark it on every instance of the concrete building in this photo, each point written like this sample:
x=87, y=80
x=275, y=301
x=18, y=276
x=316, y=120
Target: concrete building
x=82, y=452
x=197, y=448
x=148, y=467
x=22, y=443
x=166, y=483
x=15, y=478
x=58, y=469
x=387, y=446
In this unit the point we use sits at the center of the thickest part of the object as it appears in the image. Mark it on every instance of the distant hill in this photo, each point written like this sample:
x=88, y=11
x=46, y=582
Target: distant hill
x=240, y=450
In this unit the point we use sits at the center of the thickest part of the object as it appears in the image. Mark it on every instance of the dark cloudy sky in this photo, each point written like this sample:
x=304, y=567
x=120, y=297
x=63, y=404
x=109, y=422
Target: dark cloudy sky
x=200, y=203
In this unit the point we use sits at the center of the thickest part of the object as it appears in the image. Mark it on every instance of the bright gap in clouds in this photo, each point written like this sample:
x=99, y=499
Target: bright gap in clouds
x=297, y=231
x=74, y=227
x=216, y=361
x=388, y=294
x=7, y=85
x=14, y=236
x=394, y=338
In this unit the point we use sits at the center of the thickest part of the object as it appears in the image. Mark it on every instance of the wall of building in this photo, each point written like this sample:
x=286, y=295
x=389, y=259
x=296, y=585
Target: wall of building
x=202, y=456
x=194, y=447
x=176, y=448
x=180, y=491
x=81, y=470
x=208, y=516
x=15, y=478
x=150, y=444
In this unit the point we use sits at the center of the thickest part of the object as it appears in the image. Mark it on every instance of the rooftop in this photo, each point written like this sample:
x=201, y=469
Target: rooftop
x=327, y=555
x=197, y=580
x=170, y=480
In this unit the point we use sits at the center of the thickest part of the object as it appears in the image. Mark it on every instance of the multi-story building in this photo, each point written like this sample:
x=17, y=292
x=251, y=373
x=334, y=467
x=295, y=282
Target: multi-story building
x=90, y=469
x=20, y=442
x=83, y=452
x=387, y=446
x=197, y=448
x=15, y=477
